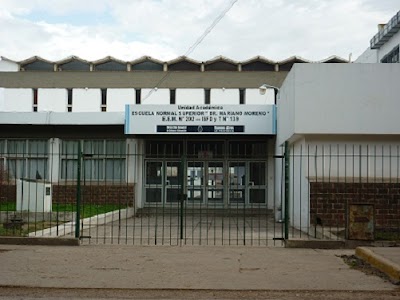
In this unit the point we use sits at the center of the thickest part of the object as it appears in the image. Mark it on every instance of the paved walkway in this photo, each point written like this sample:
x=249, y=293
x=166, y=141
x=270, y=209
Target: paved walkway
x=187, y=267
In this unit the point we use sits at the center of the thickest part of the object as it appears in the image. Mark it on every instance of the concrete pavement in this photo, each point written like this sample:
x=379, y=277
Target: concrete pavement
x=187, y=267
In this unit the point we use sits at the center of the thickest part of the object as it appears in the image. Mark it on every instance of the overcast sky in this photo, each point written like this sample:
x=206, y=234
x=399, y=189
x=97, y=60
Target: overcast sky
x=165, y=29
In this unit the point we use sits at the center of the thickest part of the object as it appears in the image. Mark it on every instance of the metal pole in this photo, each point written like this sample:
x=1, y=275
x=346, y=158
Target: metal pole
x=183, y=195
x=287, y=188
x=78, y=194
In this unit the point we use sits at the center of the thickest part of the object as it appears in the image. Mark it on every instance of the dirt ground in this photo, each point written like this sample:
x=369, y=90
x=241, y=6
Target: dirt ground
x=358, y=264
x=46, y=293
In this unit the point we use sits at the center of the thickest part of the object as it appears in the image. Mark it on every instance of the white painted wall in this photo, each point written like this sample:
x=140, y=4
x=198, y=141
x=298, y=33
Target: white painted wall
x=286, y=110
x=158, y=96
x=388, y=46
x=18, y=100
x=117, y=98
x=339, y=99
x=368, y=56
x=8, y=66
x=253, y=96
x=189, y=96
x=52, y=100
x=338, y=159
x=54, y=159
x=299, y=198
x=86, y=100
x=1, y=99
x=353, y=158
x=224, y=96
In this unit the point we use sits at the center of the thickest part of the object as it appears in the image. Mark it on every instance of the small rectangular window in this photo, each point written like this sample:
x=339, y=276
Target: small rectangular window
x=35, y=99
x=138, y=93
x=207, y=93
x=172, y=96
x=242, y=95
x=103, y=99
x=69, y=106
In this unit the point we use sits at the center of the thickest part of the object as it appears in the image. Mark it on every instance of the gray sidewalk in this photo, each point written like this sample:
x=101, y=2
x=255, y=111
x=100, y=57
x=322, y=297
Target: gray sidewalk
x=188, y=267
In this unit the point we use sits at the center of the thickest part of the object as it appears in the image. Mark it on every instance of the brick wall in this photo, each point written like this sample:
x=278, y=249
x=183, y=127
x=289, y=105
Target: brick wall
x=329, y=202
x=8, y=193
x=96, y=194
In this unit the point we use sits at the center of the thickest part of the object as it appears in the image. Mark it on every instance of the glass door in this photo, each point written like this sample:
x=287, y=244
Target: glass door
x=195, y=181
x=215, y=182
x=172, y=182
x=237, y=182
x=154, y=181
x=257, y=182
x=162, y=181
x=247, y=182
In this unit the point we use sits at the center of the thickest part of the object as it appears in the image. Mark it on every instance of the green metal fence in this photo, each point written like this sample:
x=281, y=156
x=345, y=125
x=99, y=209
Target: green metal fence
x=113, y=192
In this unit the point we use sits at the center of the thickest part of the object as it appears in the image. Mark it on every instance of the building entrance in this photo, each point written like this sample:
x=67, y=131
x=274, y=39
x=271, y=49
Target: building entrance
x=216, y=174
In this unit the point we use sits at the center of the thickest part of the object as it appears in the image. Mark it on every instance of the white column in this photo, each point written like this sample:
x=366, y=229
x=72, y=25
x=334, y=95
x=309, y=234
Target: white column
x=54, y=159
x=134, y=169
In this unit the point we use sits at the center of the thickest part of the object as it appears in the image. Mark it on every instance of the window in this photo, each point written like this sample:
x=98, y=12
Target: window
x=242, y=96
x=35, y=99
x=248, y=149
x=25, y=158
x=101, y=159
x=103, y=99
x=75, y=65
x=184, y=66
x=69, y=106
x=138, y=96
x=164, y=149
x=147, y=66
x=392, y=56
x=221, y=66
x=111, y=66
x=38, y=65
x=172, y=99
x=205, y=149
x=207, y=96
x=258, y=66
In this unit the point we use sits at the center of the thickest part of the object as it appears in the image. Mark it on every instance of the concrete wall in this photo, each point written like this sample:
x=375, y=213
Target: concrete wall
x=339, y=99
x=52, y=100
x=157, y=96
x=224, y=96
x=18, y=100
x=86, y=100
x=253, y=96
x=8, y=66
x=117, y=98
x=286, y=110
x=89, y=100
x=189, y=96
x=343, y=161
x=299, y=203
x=368, y=56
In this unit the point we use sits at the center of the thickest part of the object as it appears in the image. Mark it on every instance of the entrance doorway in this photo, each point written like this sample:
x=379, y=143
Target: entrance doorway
x=215, y=174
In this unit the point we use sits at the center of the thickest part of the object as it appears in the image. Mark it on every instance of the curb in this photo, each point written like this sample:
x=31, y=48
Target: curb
x=386, y=266
x=314, y=244
x=39, y=241
x=87, y=223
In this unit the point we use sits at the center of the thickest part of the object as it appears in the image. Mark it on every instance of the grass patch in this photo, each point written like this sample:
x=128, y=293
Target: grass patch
x=8, y=206
x=88, y=210
x=388, y=235
x=25, y=229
